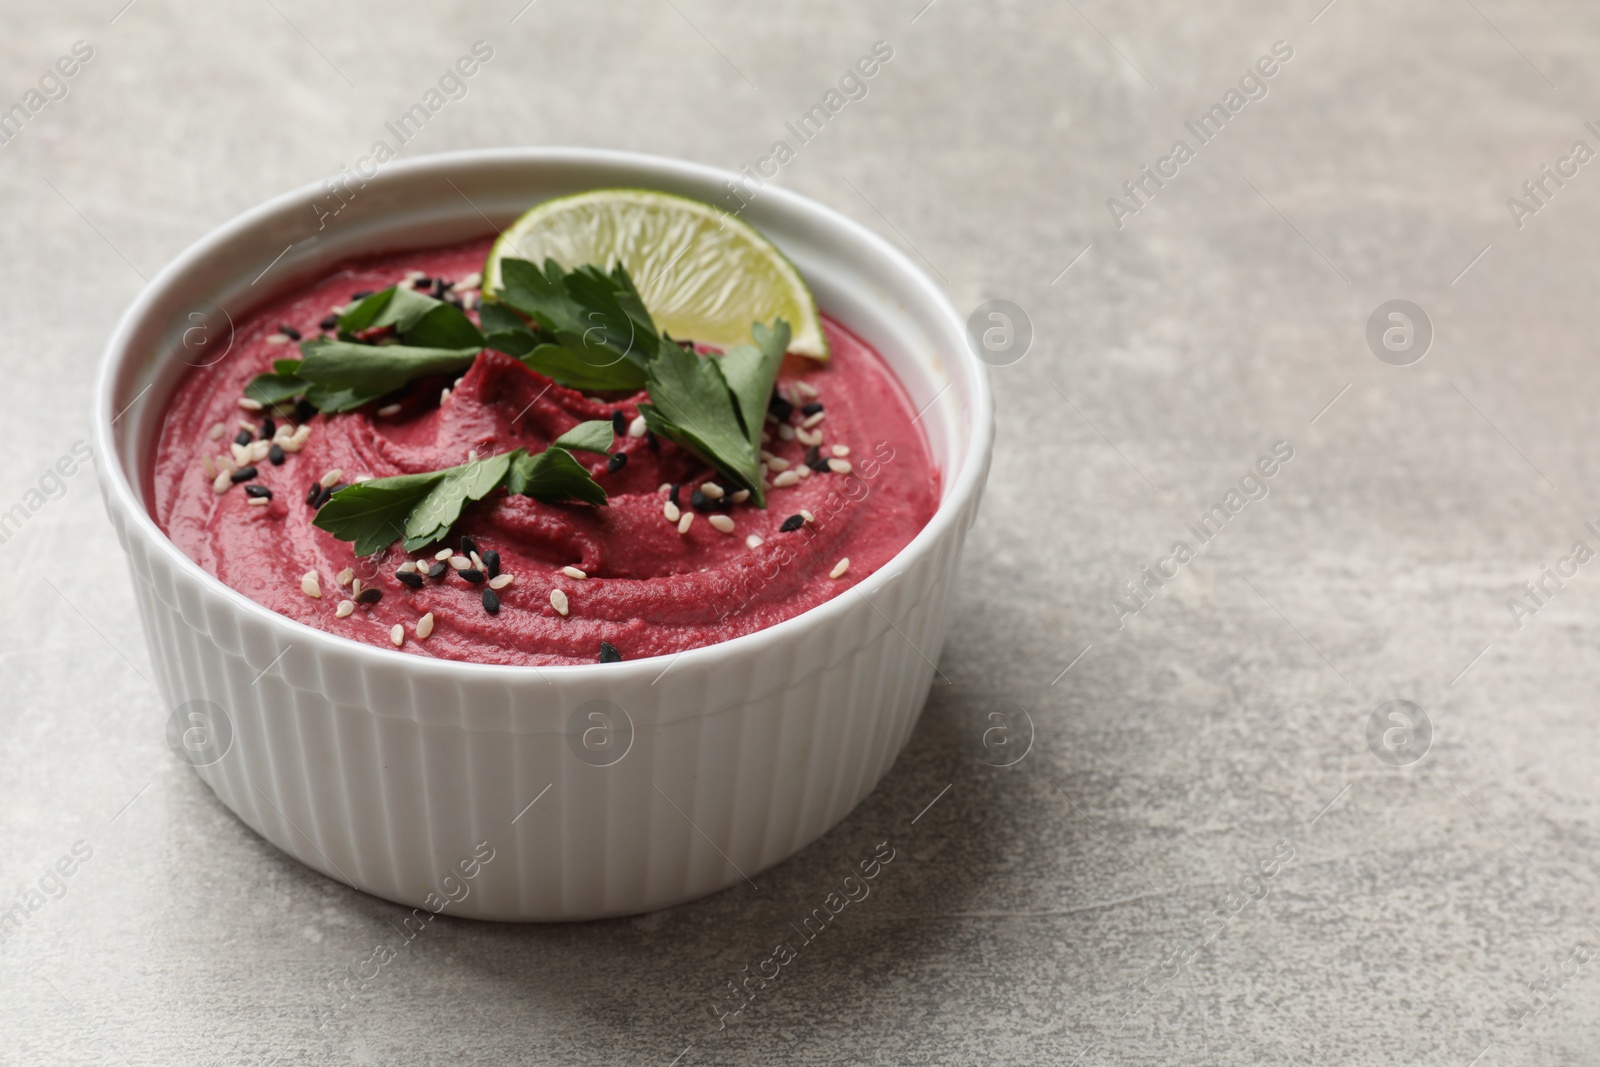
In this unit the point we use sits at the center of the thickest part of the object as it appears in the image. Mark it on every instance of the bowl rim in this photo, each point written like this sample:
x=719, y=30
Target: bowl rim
x=120, y=494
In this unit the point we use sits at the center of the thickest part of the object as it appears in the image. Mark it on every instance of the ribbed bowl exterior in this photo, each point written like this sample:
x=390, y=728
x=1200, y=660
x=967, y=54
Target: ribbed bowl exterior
x=357, y=771
x=493, y=792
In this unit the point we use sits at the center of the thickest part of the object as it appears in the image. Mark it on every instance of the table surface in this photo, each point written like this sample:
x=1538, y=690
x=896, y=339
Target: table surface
x=1220, y=848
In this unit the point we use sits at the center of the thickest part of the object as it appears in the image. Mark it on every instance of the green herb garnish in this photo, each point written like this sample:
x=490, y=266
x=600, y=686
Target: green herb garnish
x=421, y=508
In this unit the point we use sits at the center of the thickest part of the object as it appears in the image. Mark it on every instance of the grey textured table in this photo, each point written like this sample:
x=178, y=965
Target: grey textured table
x=1220, y=848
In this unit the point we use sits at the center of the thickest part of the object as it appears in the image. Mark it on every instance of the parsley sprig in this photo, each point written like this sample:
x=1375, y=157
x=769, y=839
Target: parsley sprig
x=421, y=508
x=586, y=329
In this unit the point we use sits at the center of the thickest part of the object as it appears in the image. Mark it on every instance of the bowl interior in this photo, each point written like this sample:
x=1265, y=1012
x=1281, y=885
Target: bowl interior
x=186, y=317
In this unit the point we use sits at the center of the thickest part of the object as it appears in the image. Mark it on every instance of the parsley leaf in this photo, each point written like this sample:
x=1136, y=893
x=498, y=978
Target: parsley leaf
x=421, y=508
x=344, y=373
x=595, y=436
x=553, y=476
x=602, y=335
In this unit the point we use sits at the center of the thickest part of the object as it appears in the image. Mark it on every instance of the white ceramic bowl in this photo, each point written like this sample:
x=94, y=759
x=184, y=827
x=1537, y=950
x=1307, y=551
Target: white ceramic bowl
x=412, y=778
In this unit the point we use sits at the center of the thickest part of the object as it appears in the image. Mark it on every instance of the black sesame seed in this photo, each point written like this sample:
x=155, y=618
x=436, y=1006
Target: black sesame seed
x=650, y=439
x=243, y=437
x=812, y=408
x=314, y=494
x=304, y=410
x=491, y=602
x=699, y=501
x=243, y=474
x=468, y=547
x=779, y=407
x=812, y=455
x=411, y=578
x=616, y=462
x=438, y=569
x=792, y=523
x=619, y=423
x=439, y=287
x=289, y=331
x=370, y=594
x=471, y=574
x=258, y=490
x=275, y=454
x=269, y=428
x=331, y=322
x=491, y=561
x=362, y=295
x=820, y=465
x=677, y=495
x=456, y=303
x=609, y=653
x=422, y=283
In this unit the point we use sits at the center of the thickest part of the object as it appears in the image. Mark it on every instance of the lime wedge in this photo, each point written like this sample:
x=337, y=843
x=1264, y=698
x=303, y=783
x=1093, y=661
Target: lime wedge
x=705, y=276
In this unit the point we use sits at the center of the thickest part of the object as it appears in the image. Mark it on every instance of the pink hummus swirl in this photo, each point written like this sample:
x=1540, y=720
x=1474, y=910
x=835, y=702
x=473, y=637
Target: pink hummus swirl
x=649, y=590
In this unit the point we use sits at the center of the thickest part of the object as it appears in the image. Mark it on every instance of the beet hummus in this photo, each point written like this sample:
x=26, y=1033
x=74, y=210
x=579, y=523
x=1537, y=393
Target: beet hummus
x=629, y=574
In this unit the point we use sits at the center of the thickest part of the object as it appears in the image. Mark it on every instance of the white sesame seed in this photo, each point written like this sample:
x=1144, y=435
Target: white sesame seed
x=260, y=450
x=721, y=522
x=221, y=482
x=637, y=427
x=310, y=586
x=209, y=467
x=813, y=419
x=741, y=496
x=344, y=578
x=752, y=541
x=218, y=430
x=477, y=560
x=413, y=275
x=457, y=383
x=355, y=586
x=711, y=490
x=246, y=424
x=471, y=281
x=809, y=437
x=442, y=555
x=460, y=563
x=664, y=487
x=785, y=432
x=804, y=472
x=408, y=567
x=330, y=478
x=839, y=466
x=558, y=600
x=397, y=634
x=257, y=501
x=241, y=454
x=806, y=389
x=806, y=515
x=786, y=479
x=277, y=339
x=671, y=511
x=344, y=610
x=226, y=463
x=500, y=581
x=840, y=568
x=444, y=394
x=387, y=410
x=841, y=450
x=777, y=463
x=685, y=522
x=765, y=437
x=248, y=404
x=425, y=627
x=573, y=572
